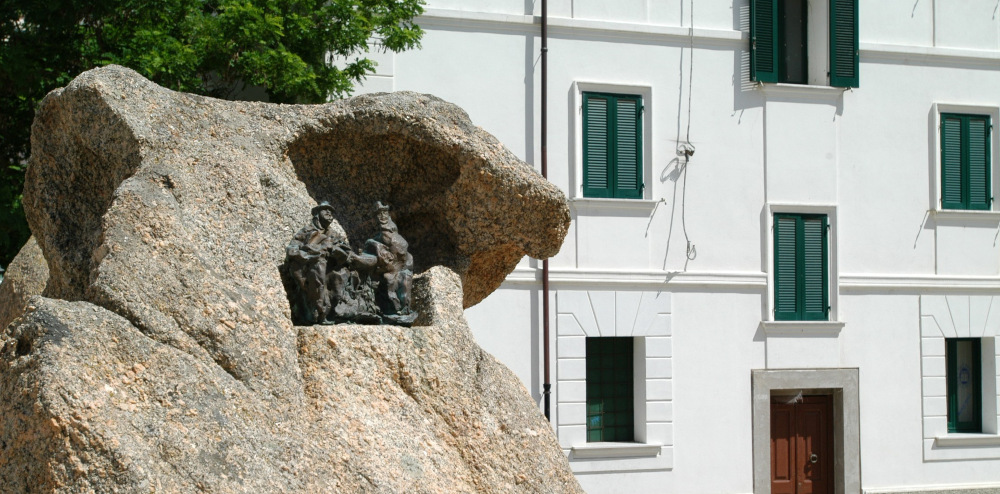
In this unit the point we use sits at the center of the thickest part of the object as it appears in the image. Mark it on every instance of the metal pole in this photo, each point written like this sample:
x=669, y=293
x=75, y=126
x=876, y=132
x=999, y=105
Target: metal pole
x=547, y=386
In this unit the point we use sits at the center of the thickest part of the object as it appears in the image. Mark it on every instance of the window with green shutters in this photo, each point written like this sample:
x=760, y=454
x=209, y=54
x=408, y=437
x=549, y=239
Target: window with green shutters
x=612, y=145
x=778, y=41
x=965, y=162
x=801, y=272
x=610, y=414
x=964, y=375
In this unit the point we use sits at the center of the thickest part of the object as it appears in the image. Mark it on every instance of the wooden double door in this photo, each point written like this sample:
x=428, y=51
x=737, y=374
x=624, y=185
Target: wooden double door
x=802, y=444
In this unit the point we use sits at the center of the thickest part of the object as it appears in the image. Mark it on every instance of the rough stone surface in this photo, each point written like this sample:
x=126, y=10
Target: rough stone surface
x=94, y=405
x=142, y=198
x=161, y=355
x=26, y=276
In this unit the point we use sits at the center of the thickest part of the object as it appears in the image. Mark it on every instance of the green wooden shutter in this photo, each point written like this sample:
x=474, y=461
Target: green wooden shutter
x=785, y=268
x=763, y=40
x=979, y=194
x=628, y=148
x=801, y=271
x=596, y=176
x=844, y=43
x=612, y=145
x=966, y=181
x=951, y=162
x=814, y=269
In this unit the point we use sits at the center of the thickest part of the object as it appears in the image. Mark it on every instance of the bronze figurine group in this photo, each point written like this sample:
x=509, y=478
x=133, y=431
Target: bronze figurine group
x=329, y=283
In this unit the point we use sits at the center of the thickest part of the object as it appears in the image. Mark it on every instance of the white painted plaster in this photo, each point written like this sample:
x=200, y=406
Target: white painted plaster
x=512, y=339
x=792, y=161
x=490, y=6
x=659, y=347
x=620, y=11
x=977, y=243
x=870, y=154
x=898, y=24
x=974, y=25
x=376, y=84
x=802, y=352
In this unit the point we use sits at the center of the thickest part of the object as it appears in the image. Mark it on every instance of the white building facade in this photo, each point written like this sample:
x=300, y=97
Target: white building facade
x=783, y=271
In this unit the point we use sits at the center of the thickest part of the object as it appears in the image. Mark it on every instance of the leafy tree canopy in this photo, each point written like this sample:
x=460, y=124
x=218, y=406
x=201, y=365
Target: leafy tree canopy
x=212, y=47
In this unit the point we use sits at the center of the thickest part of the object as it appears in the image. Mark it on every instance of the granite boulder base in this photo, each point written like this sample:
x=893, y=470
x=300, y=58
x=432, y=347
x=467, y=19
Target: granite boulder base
x=161, y=354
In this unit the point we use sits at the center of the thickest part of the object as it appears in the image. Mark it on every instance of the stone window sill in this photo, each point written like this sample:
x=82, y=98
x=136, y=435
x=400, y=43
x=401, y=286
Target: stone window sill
x=802, y=328
x=590, y=204
x=616, y=450
x=967, y=439
x=967, y=214
x=782, y=88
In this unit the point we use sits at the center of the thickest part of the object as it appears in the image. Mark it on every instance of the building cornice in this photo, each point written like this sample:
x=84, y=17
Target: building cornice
x=559, y=26
x=563, y=26
x=922, y=283
x=924, y=54
x=662, y=279
x=637, y=278
x=448, y=17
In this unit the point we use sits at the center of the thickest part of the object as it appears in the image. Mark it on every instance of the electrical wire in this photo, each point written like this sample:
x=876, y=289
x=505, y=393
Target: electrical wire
x=691, y=252
x=687, y=147
x=687, y=137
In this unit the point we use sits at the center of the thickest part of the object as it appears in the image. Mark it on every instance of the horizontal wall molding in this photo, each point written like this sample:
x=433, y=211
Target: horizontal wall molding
x=636, y=278
x=869, y=52
x=567, y=26
x=666, y=279
x=940, y=489
x=927, y=283
x=927, y=54
x=562, y=25
x=462, y=18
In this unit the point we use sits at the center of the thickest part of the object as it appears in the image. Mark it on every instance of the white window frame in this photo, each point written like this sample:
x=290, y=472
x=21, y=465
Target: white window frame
x=935, y=179
x=645, y=91
x=833, y=323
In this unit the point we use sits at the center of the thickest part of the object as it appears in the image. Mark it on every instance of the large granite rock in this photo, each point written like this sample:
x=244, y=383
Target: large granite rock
x=26, y=276
x=161, y=355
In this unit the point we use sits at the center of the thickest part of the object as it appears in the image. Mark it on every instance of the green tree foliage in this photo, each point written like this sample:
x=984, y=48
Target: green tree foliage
x=217, y=48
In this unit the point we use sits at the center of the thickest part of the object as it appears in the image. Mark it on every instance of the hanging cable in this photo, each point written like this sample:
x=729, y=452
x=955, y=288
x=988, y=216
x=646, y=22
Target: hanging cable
x=691, y=252
x=687, y=136
x=686, y=150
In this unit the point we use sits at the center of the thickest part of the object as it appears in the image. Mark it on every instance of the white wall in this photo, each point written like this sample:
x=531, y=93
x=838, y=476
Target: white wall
x=490, y=6
x=510, y=334
x=868, y=153
x=716, y=344
x=972, y=24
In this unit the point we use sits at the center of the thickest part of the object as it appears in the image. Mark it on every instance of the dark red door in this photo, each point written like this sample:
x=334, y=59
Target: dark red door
x=802, y=445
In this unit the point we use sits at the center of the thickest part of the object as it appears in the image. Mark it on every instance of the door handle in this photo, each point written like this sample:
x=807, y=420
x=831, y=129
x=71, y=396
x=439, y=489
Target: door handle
x=813, y=458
